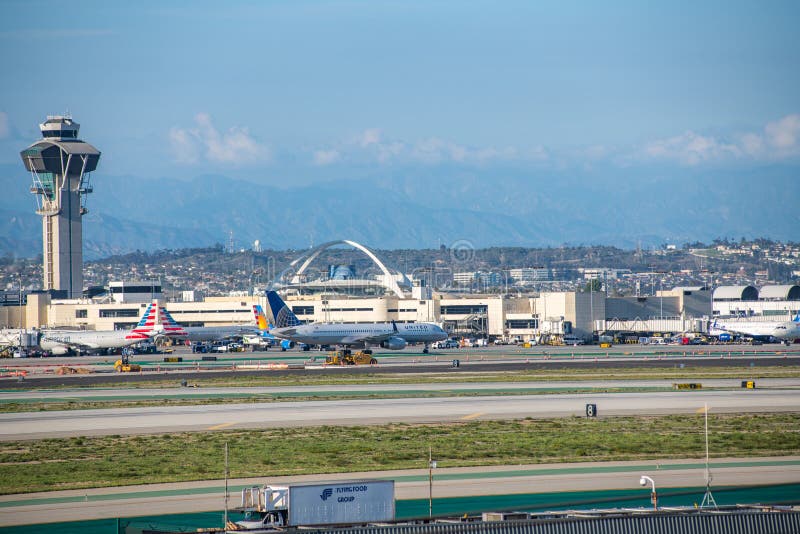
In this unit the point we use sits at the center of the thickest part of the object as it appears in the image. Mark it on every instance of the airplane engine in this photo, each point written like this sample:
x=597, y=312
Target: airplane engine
x=59, y=350
x=394, y=343
x=287, y=344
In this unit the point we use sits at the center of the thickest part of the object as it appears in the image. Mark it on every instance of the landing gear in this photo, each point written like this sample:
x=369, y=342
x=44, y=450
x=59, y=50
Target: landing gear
x=425, y=350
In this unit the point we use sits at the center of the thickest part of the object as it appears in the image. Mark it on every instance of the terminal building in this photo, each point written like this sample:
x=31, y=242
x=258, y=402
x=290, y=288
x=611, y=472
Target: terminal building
x=339, y=295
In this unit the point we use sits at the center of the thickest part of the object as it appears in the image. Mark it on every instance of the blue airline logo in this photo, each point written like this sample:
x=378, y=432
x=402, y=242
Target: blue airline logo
x=280, y=311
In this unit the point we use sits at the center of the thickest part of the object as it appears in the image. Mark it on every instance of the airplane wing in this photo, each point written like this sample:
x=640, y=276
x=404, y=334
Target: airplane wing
x=372, y=339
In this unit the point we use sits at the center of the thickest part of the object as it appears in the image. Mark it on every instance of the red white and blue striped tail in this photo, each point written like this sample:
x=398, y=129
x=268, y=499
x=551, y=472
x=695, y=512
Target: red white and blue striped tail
x=168, y=325
x=145, y=329
x=156, y=321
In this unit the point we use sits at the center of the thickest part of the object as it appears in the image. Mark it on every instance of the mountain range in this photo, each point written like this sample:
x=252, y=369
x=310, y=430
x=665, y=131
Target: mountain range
x=423, y=207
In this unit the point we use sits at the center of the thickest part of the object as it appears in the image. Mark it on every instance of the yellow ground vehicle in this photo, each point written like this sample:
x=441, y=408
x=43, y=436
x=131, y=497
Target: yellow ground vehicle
x=123, y=365
x=345, y=357
x=605, y=345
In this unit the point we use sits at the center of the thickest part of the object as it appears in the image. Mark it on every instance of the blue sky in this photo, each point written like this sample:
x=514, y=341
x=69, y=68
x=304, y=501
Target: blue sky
x=297, y=91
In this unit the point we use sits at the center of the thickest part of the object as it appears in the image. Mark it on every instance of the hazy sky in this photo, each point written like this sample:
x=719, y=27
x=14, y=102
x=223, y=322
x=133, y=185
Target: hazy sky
x=295, y=90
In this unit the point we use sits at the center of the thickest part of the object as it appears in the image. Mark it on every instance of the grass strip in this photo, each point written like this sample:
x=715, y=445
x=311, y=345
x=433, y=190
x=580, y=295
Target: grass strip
x=86, y=462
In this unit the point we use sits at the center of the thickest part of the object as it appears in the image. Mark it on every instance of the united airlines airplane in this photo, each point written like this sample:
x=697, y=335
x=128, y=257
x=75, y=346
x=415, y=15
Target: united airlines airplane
x=391, y=336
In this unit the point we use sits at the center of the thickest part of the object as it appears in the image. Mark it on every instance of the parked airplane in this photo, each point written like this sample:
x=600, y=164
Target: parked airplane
x=387, y=335
x=264, y=335
x=168, y=327
x=784, y=331
x=59, y=342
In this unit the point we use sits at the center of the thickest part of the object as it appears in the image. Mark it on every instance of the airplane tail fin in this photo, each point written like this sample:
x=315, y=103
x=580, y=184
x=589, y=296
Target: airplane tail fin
x=796, y=318
x=168, y=325
x=156, y=320
x=261, y=318
x=145, y=328
x=280, y=311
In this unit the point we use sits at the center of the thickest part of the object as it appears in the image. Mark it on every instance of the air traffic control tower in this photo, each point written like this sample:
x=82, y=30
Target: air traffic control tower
x=60, y=164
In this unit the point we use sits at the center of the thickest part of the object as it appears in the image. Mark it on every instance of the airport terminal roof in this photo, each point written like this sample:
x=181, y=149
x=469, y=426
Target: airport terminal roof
x=391, y=282
x=736, y=293
x=785, y=292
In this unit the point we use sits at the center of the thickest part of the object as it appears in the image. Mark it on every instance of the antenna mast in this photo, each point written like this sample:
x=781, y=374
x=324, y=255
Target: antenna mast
x=708, y=498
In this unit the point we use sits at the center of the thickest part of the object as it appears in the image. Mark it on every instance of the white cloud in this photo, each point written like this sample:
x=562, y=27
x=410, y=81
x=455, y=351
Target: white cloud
x=783, y=134
x=777, y=140
x=5, y=128
x=371, y=143
x=326, y=157
x=691, y=148
x=204, y=141
x=370, y=137
x=780, y=139
x=752, y=144
x=185, y=148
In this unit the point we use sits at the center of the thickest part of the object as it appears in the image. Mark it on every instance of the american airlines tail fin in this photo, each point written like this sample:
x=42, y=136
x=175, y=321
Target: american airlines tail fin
x=156, y=321
x=145, y=329
x=280, y=311
x=168, y=325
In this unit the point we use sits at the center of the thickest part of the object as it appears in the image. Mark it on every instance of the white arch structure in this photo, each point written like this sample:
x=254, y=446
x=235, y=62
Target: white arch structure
x=308, y=257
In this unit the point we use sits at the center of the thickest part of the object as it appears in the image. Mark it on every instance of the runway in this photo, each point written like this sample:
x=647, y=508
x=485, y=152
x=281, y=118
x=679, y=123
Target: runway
x=37, y=425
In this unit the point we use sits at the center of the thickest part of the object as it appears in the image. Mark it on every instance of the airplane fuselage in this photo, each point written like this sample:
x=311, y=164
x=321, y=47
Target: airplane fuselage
x=211, y=333
x=357, y=333
x=61, y=340
x=785, y=331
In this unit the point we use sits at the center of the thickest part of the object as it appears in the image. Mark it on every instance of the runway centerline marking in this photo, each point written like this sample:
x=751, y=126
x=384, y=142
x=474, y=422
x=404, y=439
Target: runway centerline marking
x=220, y=426
x=472, y=416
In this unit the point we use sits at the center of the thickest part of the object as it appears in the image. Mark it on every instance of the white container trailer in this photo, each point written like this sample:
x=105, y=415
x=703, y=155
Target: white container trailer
x=340, y=503
x=344, y=503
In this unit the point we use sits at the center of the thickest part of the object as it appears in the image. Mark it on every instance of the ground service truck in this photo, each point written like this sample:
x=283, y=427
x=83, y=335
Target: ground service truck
x=340, y=503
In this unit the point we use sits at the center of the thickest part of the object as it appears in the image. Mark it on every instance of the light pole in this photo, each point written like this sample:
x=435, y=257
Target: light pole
x=643, y=482
x=591, y=305
x=431, y=467
x=225, y=520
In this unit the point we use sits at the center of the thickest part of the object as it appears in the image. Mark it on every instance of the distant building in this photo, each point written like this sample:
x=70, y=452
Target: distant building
x=747, y=301
x=602, y=273
x=478, y=279
x=135, y=291
x=528, y=275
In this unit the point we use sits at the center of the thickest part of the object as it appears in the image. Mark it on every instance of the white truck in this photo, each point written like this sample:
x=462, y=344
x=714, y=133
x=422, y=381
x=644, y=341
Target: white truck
x=339, y=503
